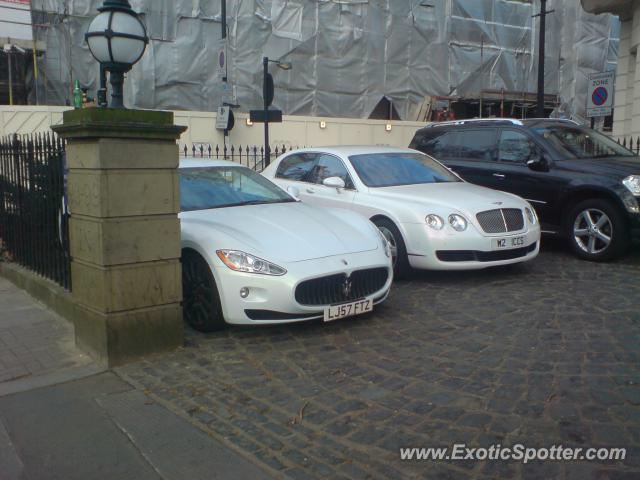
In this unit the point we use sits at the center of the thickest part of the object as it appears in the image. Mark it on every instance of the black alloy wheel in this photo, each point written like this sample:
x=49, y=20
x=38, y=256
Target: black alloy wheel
x=201, y=306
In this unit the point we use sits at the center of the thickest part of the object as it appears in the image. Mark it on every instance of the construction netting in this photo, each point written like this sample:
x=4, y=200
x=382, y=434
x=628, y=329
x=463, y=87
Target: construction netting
x=346, y=55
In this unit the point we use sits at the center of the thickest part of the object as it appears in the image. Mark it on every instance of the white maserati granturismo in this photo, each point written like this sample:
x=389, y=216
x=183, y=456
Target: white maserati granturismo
x=252, y=254
x=431, y=217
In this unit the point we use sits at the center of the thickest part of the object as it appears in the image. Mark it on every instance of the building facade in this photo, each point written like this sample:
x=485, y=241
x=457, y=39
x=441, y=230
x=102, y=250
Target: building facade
x=626, y=120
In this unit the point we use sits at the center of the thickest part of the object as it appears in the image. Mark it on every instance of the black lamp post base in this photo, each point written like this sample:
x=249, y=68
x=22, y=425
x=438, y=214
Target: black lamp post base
x=117, y=94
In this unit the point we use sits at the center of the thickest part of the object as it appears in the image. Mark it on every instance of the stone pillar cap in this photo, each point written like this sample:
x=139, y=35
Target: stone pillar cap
x=118, y=123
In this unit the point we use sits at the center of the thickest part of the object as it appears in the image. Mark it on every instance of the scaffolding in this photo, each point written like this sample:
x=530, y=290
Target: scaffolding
x=348, y=56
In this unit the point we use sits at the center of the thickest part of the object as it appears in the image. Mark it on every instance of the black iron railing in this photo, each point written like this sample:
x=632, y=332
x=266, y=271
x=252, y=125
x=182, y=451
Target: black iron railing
x=252, y=157
x=33, y=221
x=631, y=143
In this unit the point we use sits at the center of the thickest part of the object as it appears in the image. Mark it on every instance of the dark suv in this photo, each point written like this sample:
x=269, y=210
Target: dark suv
x=583, y=185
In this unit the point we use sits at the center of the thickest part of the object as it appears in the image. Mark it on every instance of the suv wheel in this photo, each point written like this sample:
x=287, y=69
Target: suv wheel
x=398, y=250
x=597, y=230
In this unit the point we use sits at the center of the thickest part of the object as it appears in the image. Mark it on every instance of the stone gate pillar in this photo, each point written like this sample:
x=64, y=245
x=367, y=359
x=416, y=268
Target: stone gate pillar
x=123, y=196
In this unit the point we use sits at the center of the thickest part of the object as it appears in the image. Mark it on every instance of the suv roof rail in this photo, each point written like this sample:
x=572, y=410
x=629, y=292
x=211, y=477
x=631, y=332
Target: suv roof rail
x=513, y=121
x=549, y=119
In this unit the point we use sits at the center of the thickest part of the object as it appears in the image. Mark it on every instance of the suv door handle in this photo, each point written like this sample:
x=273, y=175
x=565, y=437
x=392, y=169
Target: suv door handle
x=310, y=190
x=499, y=175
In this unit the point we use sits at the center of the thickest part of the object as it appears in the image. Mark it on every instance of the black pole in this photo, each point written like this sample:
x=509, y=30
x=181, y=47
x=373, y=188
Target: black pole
x=9, y=64
x=117, y=81
x=265, y=94
x=223, y=14
x=542, y=35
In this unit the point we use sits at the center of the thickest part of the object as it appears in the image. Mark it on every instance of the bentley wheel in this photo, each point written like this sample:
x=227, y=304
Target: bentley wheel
x=201, y=305
x=398, y=250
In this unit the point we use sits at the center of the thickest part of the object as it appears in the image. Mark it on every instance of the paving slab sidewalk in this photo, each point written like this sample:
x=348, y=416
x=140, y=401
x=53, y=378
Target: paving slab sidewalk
x=36, y=346
x=63, y=417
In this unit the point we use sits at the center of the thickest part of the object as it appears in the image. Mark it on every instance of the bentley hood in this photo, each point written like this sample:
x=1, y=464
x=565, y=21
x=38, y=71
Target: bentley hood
x=454, y=196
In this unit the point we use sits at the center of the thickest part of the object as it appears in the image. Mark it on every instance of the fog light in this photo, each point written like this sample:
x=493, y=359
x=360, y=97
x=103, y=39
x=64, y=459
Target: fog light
x=244, y=292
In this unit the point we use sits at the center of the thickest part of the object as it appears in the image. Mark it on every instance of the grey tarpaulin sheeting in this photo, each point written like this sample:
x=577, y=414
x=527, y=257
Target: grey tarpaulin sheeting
x=346, y=54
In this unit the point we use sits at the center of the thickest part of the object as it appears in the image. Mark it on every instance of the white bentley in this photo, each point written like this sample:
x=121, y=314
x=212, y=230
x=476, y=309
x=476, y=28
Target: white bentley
x=252, y=254
x=430, y=216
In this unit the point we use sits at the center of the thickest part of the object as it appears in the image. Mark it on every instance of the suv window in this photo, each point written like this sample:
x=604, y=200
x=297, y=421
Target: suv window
x=297, y=167
x=514, y=147
x=441, y=146
x=330, y=166
x=476, y=144
x=577, y=142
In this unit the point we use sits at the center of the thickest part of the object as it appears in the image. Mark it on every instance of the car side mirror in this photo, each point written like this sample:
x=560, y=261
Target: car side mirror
x=294, y=192
x=538, y=163
x=334, y=182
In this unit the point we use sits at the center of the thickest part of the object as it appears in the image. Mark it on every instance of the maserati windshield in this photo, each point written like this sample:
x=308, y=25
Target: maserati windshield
x=394, y=169
x=202, y=188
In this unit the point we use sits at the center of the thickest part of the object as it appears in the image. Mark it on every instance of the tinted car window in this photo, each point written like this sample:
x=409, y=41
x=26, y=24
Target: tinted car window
x=296, y=167
x=440, y=146
x=475, y=144
x=330, y=166
x=575, y=142
x=392, y=169
x=514, y=147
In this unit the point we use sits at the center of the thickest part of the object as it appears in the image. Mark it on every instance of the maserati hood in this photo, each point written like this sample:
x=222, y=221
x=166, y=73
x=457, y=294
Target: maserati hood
x=283, y=232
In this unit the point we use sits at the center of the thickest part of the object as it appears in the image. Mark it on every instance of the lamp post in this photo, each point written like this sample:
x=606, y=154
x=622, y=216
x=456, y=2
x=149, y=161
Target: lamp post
x=541, y=53
x=267, y=96
x=117, y=39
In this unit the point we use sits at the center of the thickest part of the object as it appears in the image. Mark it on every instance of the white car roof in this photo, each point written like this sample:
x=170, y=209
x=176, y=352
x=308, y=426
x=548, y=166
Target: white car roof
x=206, y=162
x=347, y=150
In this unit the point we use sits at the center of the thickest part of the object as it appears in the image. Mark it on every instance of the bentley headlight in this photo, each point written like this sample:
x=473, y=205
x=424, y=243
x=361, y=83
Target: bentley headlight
x=243, y=262
x=531, y=215
x=632, y=182
x=434, y=221
x=458, y=222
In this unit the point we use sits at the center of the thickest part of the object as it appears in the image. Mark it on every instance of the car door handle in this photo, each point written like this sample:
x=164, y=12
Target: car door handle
x=499, y=175
x=310, y=190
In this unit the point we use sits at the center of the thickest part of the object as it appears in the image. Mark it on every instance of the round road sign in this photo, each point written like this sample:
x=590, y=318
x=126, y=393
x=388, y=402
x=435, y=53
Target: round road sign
x=600, y=96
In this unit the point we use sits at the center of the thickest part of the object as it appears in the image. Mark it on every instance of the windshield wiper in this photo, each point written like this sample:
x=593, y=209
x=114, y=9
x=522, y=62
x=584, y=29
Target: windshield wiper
x=259, y=202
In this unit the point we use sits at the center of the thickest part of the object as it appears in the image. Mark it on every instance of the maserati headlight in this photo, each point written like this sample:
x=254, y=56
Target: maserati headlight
x=434, y=221
x=531, y=215
x=632, y=182
x=458, y=222
x=243, y=262
x=385, y=244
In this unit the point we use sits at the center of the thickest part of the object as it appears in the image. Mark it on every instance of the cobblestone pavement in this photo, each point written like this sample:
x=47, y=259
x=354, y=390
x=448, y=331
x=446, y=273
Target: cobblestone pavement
x=34, y=341
x=541, y=354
